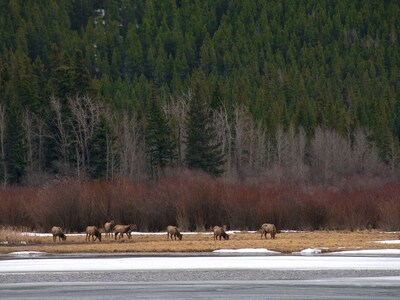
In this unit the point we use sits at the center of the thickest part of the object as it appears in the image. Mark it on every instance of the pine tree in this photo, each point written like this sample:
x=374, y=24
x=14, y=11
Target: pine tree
x=14, y=144
x=82, y=82
x=160, y=146
x=98, y=151
x=203, y=148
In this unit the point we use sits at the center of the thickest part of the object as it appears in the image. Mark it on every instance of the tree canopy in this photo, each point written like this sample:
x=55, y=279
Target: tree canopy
x=303, y=64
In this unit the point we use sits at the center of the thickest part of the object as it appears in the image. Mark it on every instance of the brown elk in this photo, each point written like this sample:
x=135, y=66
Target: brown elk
x=121, y=229
x=108, y=228
x=268, y=228
x=57, y=232
x=173, y=231
x=93, y=232
x=219, y=232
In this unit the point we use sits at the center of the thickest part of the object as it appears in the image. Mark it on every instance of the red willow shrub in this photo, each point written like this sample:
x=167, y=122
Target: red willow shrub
x=388, y=202
x=16, y=206
x=195, y=201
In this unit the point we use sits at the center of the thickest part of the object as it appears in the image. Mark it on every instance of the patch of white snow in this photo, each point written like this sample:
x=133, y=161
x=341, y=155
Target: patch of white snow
x=27, y=253
x=246, y=250
x=388, y=242
x=309, y=251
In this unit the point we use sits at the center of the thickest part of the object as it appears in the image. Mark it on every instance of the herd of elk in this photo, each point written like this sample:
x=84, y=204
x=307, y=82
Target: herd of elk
x=172, y=232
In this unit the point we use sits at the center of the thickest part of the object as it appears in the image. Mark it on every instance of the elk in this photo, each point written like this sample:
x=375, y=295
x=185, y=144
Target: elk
x=108, y=228
x=92, y=231
x=57, y=232
x=219, y=232
x=173, y=231
x=268, y=228
x=121, y=229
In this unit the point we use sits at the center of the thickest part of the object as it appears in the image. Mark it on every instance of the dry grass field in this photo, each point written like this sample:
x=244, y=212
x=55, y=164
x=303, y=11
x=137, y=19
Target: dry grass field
x=285, y=242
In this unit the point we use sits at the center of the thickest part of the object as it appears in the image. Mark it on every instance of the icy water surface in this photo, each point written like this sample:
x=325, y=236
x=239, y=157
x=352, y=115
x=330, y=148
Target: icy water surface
x=203, y=277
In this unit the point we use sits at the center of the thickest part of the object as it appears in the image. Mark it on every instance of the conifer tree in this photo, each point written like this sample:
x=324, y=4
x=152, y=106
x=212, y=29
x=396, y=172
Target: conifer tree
x=160, y=146
x=202, y=147
x=81, y=76
x=98, y=151
x=14, y=144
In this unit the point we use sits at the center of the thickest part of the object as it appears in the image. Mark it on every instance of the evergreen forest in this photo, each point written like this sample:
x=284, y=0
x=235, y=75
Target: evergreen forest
x=298, y=91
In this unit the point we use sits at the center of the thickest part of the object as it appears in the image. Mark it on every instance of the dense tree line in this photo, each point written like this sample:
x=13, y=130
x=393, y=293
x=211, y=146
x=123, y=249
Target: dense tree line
x=302, y=90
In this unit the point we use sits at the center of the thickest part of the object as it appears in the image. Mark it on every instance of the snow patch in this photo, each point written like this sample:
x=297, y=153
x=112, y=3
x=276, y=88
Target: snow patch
x=49, y=234
x=246, y=250
x=388, y=242
x=309, y=251
x=27, y=253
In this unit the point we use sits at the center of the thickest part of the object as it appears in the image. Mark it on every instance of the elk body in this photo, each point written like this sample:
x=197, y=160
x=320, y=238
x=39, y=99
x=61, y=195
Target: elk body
x=92, y=232
x=173, y=231
x=121, y=229
x=57, y=232
x=108, y=228
x=219, y=232
x=268, y=228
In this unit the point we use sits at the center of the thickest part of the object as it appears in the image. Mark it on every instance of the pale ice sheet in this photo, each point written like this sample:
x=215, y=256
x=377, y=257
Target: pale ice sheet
x=266, y=262
x=380, y=252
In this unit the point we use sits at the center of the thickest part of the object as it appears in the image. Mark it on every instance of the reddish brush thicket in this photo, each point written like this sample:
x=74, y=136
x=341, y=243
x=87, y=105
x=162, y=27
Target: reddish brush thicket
x=195, y=202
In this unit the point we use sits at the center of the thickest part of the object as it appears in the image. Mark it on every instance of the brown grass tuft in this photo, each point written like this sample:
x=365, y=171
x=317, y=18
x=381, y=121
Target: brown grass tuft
x=10, y=236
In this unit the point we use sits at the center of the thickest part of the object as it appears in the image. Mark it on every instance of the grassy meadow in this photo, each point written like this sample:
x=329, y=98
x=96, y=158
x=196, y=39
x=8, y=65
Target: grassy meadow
x=285, y=242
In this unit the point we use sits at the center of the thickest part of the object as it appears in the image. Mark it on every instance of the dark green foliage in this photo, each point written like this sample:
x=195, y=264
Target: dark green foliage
x=15, y=163
x=203, y=149
x=330, y=64
x=81, y=77
x=99, y=150
x=160, y=146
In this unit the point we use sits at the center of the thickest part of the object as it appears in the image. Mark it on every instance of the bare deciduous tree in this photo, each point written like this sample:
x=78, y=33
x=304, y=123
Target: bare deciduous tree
x=224, y=134
x=365, y=155
x=332, y=154
x=85, y=117
x=62, y=137
x=393, y=157
x=131, y=147
x=176, y=111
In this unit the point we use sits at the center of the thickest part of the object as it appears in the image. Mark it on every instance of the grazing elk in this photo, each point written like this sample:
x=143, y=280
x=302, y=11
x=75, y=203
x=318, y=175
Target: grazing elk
x=57, y=232
x=121, y=229
x=173, y=231
x=108, y=228
x=92, y=231
x=219, y=232
x=268, y=228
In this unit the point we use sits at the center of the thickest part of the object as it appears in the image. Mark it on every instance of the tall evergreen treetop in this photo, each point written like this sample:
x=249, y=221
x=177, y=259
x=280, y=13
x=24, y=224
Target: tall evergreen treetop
x=202, y=147
x=160, y=146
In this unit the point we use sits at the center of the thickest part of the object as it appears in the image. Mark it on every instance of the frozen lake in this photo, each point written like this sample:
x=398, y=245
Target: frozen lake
x=205, y=276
